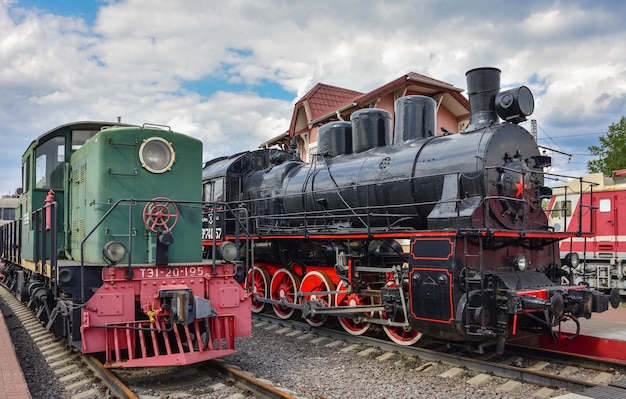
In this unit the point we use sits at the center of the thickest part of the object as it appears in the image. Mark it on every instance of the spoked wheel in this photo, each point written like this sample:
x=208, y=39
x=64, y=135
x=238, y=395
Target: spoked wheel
x=160, y=214
x=316, y=281
x=259, y=286
x=284, y=286
x=345, y=299
x=400, y=335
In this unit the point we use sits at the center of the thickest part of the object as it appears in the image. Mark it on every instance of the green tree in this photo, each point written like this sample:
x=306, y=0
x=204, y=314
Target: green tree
x=610, y=155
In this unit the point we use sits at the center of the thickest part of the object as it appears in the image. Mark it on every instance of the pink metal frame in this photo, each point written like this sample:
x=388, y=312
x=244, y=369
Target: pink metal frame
x=112, y=323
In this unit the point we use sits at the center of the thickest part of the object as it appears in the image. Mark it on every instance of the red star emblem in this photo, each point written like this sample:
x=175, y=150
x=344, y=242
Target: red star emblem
x=520, y=187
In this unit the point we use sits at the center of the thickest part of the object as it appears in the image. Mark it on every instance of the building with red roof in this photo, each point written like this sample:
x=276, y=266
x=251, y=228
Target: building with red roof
x=325, y=103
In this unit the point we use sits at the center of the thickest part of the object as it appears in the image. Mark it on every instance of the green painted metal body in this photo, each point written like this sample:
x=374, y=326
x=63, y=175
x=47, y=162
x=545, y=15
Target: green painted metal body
x=95, y=170
x=44, y=166
x=110, y=189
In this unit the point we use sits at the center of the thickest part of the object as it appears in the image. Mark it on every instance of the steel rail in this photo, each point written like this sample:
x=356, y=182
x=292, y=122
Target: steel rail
x=248, y=383
x=115, y=385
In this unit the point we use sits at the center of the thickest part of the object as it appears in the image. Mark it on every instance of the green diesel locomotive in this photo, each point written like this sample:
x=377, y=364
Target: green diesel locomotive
x=106, y=247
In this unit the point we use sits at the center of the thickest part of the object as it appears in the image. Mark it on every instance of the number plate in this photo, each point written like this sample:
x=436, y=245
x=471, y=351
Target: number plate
x=171, y=272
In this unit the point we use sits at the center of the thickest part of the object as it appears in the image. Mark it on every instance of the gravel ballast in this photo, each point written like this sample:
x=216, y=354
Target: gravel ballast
x=308, y=366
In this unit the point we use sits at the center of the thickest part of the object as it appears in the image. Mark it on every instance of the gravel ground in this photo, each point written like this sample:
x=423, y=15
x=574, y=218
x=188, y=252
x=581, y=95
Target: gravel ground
x=41, y=380
x=317, y=370
x=309, y=368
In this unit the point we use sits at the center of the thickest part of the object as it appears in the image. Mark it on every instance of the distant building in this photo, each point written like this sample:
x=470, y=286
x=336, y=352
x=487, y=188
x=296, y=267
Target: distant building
x=325, y=103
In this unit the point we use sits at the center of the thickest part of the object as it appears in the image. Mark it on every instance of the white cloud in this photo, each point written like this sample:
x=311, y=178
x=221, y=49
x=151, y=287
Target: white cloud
x=135, y=60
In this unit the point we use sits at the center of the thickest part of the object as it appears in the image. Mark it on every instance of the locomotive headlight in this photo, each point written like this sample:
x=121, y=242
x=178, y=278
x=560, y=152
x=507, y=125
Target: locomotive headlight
x=572, y=260
x=156, y=155
x=520, y=262
x=114, y=252
x=228, y=251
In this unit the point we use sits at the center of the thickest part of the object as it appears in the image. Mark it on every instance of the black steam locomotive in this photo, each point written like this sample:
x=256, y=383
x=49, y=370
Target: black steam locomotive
x=418, y=233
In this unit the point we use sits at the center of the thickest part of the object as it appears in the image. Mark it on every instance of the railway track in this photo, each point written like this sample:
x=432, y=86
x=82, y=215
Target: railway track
x=82, y=377
x=212, y=379
x=85, y=377
x=546, y=370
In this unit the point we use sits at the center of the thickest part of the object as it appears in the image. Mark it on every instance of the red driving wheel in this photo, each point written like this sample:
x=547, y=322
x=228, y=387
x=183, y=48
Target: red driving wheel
x=160, y=214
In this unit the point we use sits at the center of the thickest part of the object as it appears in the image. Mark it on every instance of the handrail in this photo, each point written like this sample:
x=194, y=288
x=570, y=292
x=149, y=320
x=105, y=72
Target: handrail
x=249, y=240
x=45, y=233
x=391, y=216
x=45, y=239
x=131, y=202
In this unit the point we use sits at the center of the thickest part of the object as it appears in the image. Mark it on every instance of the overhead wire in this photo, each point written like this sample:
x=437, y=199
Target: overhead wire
x=552, y=142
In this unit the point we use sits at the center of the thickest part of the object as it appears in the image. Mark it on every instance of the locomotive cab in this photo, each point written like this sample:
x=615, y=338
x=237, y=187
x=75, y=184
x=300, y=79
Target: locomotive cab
x=223, y=180
x=45, y=168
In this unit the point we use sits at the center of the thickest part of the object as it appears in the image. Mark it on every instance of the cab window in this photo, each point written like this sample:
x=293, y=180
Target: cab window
x=8, y=214
x=604, y=205
x=49, y=164
x=79, y=137
x=26, y=174
x=562, y=209
x=218, y=190
x=214, y=190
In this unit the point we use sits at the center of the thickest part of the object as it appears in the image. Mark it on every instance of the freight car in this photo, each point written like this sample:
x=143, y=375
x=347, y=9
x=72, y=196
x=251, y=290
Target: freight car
x=7, y=209
x=441, y=235
x=106, y=251
x=603, y=255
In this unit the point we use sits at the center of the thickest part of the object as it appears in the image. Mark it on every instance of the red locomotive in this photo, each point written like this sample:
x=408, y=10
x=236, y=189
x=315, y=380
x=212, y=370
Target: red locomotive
x=603, y=253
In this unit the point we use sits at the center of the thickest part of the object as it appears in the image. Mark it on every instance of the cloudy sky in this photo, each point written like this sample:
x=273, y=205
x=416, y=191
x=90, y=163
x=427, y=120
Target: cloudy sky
x=229, y=72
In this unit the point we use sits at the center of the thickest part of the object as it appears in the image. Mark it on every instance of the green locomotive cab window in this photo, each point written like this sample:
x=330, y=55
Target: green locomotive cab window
x=156, y=155
x=26, y=174
x=8, y=214
x=49, y=161
x=79, y=137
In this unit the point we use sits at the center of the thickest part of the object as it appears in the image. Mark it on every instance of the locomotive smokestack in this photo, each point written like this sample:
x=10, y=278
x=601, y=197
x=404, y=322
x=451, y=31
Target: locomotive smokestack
x=483, y=85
